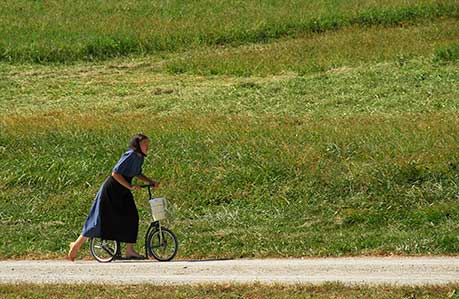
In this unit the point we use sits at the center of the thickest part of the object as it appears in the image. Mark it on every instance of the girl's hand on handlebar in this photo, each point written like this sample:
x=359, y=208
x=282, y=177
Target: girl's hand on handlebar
x=154, y=184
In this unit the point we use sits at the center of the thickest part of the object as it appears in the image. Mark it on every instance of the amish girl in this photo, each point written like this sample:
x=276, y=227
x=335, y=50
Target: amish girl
x=113, y=215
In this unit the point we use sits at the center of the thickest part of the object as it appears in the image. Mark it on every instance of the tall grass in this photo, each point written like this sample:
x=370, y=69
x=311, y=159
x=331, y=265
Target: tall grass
x=313, y=53
x=349, y=149
x=351, y=161
x=267, y=186
x=63, y=31
x=447, y=53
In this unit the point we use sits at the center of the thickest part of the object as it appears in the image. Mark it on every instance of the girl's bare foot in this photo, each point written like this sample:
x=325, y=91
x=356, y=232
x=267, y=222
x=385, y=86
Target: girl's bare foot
x=72, y=252
x=75, y=246
x=133, y=254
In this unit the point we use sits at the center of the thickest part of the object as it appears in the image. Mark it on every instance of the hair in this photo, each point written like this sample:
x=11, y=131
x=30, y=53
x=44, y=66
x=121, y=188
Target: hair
x=134, y=144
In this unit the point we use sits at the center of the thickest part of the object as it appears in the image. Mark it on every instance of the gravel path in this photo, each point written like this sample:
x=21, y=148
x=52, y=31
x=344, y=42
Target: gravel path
x=368, y=270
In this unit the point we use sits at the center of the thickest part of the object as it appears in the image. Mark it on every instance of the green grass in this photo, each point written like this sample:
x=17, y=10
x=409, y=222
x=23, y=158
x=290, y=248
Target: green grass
x=447, y=53
x=350, y=47
x=65, y=31
x=226, y=291
x=329, y=170
x=341, y=141
x=417, y=85
x=242, y=186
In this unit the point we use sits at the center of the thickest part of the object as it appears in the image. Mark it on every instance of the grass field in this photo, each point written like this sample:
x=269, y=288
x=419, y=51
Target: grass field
x=293, y=141
x=63, y=31
x=227, y=291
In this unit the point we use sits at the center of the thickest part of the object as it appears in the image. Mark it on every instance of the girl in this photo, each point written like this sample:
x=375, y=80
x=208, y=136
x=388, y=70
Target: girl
x=113, y=215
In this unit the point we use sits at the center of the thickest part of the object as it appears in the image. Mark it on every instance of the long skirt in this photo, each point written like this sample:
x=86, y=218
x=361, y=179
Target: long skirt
x=113, y=215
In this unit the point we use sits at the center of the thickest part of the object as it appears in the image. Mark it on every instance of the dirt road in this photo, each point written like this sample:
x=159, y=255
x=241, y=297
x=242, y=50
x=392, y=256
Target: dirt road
x=368, y=270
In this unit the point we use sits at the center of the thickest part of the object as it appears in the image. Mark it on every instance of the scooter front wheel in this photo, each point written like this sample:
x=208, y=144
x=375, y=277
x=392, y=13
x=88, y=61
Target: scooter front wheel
x=162, y=246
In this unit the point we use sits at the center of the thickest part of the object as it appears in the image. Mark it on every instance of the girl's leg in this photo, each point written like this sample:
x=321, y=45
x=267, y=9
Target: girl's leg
x=130, y=252
x=75, y=246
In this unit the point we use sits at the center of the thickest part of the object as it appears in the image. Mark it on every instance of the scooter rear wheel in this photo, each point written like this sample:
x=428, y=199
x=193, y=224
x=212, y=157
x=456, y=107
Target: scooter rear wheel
x=104, y=251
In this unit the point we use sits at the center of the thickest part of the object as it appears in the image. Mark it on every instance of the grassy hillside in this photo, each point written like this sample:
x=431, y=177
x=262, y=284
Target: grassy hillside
x=63, y=31
x=312, y=143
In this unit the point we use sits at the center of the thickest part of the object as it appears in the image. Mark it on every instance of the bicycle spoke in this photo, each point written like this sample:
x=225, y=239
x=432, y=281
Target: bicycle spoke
x=108, y=249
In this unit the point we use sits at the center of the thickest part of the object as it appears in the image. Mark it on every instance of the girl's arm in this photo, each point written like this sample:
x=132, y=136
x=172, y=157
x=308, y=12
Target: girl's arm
x=147, y=180
x=123, y=182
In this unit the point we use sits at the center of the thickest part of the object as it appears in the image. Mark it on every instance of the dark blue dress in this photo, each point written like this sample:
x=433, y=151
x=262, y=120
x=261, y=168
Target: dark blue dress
x=113, y=215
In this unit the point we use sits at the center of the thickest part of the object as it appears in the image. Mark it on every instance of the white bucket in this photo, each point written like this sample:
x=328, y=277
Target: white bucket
x=158, y=208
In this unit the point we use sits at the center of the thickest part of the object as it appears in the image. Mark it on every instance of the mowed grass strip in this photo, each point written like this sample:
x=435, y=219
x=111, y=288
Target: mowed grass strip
x=65, y=31
x=405, y=85
x=242, y=186
x=348, y=47
x=330, y=290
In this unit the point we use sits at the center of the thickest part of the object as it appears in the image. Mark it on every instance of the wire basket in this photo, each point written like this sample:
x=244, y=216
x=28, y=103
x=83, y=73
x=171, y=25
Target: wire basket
x=158, y=208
